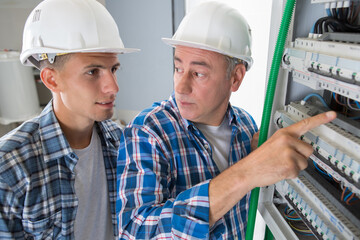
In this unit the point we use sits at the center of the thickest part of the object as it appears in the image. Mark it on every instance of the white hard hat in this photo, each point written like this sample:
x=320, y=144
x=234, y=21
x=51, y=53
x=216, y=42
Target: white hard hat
x=215, y=27
x=56, y=27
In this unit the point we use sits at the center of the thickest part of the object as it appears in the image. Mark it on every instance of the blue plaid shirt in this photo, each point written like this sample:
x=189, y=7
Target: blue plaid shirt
x=37, y=198
x=164, y=169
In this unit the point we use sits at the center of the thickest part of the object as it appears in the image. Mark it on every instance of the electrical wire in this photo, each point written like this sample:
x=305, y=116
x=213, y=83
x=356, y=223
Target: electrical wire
x=295, y=222
x=357, y=104
x=340, y=26
x=346, y=14
x=327, y=175
x=318, y=24
x=355, y=15
x=335, y=96
x=341, y=14
x=343, y=194
x=333, y=11
x=350, y=198
x=351, y=11
x=306, y=231
x=313, y=28
x=341, y=19
x=346, y=196
x=291, y=214
x=350, y=105
x=328, y=12
x=318, y=96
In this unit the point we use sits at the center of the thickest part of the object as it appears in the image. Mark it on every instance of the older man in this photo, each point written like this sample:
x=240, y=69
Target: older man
x=184, y=168
x=58, y=170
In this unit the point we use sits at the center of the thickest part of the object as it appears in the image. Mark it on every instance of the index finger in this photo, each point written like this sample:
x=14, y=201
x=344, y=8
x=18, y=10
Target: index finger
x=307, y=124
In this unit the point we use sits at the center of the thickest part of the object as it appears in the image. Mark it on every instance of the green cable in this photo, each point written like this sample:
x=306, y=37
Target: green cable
x=269, y=98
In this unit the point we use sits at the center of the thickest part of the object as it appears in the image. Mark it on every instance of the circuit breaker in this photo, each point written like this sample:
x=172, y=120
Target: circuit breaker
x=320, y=71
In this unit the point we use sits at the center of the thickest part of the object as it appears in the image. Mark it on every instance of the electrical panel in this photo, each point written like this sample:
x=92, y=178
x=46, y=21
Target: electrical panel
x=320, y=71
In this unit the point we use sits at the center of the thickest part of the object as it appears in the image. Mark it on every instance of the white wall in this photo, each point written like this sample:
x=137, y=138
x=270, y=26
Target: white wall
x=146, y=76
x=251, y=94
x=13, y=14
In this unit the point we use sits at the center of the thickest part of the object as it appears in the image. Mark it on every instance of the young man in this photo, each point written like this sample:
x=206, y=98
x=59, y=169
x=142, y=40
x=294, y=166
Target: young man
x=184, y=168
x=58, y=170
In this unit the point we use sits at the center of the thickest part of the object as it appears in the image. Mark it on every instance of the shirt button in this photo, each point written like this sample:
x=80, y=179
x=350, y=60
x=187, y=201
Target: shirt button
x=206, y=147
x=72, y=155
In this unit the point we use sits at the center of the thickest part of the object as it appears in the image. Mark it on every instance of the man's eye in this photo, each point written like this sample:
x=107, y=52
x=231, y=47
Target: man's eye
x=178, y=70
x=199, y=74
x=114, y=69
x=93, y=72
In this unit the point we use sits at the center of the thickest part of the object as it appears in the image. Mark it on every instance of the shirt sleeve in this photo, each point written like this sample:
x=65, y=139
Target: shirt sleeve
x=10, y=222
x=146, y=206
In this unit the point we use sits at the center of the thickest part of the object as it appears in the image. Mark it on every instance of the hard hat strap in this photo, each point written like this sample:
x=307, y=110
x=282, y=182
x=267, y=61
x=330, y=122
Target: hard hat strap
x=34, y=62
x=50, y=56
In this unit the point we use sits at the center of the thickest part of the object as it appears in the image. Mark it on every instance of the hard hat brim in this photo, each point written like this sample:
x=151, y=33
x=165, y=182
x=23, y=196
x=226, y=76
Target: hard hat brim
x=174, y=43
x=25, y=55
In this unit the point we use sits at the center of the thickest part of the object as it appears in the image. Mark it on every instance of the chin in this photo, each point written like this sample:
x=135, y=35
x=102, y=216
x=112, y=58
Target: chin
x=104, y=117
x=187, y=116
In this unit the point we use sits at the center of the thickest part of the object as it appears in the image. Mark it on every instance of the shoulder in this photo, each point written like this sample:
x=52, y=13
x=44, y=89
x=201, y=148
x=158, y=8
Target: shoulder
x=161, y=115
x=244, y=119
x=18, y=150
x=30, y=134
x=23, y=136
x=112, y=127
x=110, y=132
x=161, y=124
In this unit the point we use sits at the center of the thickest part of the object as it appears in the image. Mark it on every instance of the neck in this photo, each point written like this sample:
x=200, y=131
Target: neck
x=77, y=130
x=77, y=138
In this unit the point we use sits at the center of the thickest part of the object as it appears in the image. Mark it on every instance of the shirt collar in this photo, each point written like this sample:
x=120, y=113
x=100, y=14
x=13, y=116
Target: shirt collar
x=108, y=133
x=233, y=116
x=54, y=142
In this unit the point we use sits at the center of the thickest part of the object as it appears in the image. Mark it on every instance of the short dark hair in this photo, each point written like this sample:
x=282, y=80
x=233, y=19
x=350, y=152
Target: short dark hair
x=58, y=63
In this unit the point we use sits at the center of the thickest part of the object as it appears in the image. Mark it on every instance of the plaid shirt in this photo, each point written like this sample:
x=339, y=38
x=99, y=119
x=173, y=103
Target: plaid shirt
x=37, y=198
x=164, y=169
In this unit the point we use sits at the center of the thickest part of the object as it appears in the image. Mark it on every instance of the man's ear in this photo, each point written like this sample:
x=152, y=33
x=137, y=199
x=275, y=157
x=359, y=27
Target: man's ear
x=237, y=76
x=49, y=78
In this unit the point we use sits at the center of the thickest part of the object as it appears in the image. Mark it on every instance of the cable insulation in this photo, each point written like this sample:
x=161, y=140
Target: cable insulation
x=269, y=99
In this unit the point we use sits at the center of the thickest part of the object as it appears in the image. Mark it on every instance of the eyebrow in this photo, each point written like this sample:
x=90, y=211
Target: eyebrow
x=200, y=63
x=100, y=66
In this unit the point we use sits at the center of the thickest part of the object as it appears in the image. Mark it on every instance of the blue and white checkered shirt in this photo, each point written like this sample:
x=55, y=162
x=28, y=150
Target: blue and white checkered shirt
x=164, y=170
x=37, y=198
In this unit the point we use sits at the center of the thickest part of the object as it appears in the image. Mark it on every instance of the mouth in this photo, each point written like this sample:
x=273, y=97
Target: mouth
x=185, y=103
x=106, y=104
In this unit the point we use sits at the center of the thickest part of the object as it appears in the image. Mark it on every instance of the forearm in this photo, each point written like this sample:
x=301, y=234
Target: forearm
x=227, y=189
x=186, y=215
x=282, y=156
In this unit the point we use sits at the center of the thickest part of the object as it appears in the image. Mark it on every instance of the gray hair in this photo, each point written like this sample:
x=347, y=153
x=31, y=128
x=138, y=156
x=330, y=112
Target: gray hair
x=232, y=62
